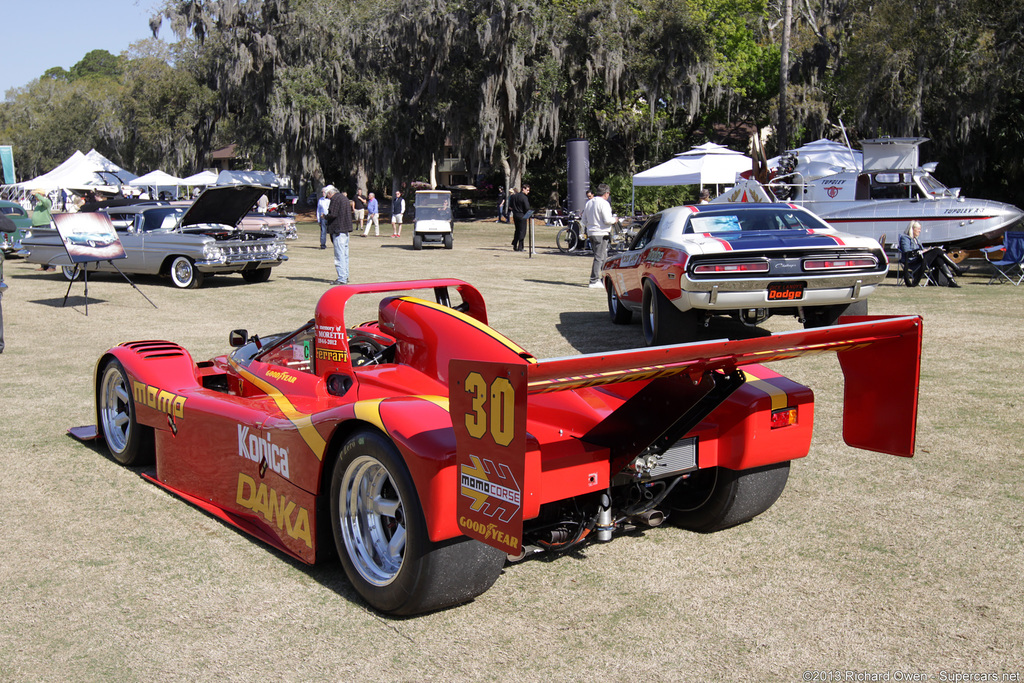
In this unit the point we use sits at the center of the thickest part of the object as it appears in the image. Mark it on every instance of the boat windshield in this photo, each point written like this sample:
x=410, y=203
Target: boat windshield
x=933, y=188
x=752, y=220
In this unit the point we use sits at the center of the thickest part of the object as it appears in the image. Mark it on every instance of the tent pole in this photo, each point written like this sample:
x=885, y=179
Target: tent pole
x=632, y=202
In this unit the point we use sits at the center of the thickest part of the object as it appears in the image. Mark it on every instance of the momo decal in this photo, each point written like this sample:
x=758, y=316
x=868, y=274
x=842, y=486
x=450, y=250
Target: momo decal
x=275, y=508
x=159, y=399
x=493, y=489
x=252, y=446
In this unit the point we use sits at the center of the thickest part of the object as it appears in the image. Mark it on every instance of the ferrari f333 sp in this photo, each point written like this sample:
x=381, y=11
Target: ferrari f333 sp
x=426, y=449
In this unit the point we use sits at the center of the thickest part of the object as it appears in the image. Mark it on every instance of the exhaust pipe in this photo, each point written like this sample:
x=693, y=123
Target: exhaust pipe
x=651, y=518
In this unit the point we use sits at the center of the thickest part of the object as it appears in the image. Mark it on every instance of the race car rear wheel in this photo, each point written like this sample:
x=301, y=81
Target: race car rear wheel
x=382, y=539
x=184, y=274
x=718, y=498
x=129, y=442
x=258, y=275
x=619, y=313
x=663, y=323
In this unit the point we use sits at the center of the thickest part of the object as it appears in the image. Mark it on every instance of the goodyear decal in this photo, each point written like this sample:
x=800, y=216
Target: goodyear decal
x=159, y=399
x=520, y=351
x=275, y=508
x=282, y=376
x=302, y=421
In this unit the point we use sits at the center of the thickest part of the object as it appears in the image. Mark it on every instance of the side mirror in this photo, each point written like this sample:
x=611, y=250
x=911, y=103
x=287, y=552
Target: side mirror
x=237, y=338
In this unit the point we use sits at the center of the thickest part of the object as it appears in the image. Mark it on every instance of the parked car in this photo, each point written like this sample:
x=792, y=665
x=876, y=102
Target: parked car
x=748, y=261
x=186, y=243
x=279, y=222
x=10, y=242
x=425, y=448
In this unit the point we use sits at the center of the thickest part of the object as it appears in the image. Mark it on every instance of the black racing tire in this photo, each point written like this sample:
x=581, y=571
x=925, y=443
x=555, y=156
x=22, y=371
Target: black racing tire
x=449, y=241
x=826, y=316
x=130, y=443
x=567, y=240
x=663, y=323
x=620, y=314
x=381, y=536
x=718, y=498
x=258, y=275
x=184, y=274
x=71, y=272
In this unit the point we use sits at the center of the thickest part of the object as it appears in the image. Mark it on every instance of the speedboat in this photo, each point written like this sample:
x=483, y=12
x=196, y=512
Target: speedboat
x=878, y=192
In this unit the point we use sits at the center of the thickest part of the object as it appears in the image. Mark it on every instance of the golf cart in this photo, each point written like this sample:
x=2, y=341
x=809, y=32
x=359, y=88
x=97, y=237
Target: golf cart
x=433, y=221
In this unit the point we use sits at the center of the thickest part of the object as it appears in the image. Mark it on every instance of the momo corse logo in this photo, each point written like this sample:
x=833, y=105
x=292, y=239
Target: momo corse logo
x=493, y=490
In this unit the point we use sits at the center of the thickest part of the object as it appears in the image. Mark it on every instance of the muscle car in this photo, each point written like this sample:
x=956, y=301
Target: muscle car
x=748, y=261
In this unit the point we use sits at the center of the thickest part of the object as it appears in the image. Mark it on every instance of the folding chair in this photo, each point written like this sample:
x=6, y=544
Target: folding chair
x=901, y=266
x=1012, y=264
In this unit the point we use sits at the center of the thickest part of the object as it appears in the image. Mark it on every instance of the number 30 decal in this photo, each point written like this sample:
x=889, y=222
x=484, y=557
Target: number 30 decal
x=500, y=420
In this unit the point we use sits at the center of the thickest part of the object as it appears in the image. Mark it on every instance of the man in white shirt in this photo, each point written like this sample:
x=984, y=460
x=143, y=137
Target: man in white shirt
x=599, y=221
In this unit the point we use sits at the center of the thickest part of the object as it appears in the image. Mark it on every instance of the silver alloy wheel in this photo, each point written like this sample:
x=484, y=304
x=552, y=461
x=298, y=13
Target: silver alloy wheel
x=372, y=521
x=115, y=408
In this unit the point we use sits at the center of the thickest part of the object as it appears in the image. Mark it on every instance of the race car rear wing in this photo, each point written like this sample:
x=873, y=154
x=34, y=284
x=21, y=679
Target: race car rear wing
x=879, y=356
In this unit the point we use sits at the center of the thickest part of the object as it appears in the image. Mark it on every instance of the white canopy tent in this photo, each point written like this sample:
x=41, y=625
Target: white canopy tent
x=201, y=178
x=157, y=180
x=707, y=164
x=263, y=178
x=81, y=172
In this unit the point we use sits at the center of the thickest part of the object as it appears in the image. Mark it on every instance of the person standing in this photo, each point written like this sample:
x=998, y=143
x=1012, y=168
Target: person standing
x=40, y=215
x=321, y=215
x=360, y=204
x=519, y=205
x=373, y=216
x=397, y=209
x=502, y=205
x=339, y=227
x=599, y=221
x=262, y=203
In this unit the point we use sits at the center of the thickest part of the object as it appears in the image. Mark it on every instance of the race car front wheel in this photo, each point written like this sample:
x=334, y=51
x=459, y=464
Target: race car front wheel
x=718, y=498
x=129, y=442
x=382, y=539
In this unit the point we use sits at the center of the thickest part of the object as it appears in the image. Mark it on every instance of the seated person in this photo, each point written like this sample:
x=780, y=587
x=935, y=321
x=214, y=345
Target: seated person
x=916, y=260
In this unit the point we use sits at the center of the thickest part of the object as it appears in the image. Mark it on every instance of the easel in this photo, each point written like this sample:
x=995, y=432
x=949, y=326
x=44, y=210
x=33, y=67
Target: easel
x=85, y=277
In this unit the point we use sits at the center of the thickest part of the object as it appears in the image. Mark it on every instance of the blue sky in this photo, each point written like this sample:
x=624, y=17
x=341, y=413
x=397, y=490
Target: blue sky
x=61, y=32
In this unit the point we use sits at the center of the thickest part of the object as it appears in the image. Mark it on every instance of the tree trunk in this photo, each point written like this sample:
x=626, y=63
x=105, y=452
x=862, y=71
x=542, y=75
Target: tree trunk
x=787, y=19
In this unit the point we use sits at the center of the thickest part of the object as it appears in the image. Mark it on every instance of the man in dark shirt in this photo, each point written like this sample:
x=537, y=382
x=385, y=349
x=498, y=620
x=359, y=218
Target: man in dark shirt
x=339, y=226
x=520, y=206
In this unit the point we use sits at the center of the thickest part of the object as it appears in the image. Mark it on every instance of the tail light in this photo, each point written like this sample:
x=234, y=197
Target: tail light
x=783, y=417
x=840, y=263
x=727, y=268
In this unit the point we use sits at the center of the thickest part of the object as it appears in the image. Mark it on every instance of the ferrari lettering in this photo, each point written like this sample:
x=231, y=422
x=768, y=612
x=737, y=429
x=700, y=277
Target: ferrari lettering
x=159, y=399
x=489, y=532
x=257, y=448
x=275, y=508
x=334, y=356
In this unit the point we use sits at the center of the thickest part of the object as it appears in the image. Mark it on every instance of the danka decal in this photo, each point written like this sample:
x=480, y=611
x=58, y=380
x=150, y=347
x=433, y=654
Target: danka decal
x=159, y=399
x=275, y=508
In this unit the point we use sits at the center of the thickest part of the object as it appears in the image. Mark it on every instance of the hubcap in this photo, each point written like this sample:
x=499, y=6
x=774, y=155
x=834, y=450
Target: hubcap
x=372, y=521
x=182, y=271
x=115, y=409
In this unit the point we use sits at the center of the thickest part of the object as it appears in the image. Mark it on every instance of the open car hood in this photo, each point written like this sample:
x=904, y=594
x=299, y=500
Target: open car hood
x=225, y=205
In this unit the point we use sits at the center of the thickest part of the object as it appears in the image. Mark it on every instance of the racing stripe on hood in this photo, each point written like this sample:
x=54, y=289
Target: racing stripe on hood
x=302, y=421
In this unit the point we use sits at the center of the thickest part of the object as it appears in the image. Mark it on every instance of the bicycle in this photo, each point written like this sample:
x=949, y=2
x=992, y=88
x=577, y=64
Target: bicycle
x=571, y=238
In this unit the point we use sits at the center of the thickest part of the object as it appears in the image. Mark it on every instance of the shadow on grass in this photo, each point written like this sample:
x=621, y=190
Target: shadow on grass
x=73, y=302
x=590, y=332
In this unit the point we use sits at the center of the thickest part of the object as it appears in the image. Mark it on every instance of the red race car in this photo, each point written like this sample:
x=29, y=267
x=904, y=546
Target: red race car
x=427, y=449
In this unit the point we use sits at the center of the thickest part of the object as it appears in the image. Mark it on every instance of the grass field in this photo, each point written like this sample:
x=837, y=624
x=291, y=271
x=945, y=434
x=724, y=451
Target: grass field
x=867, y=565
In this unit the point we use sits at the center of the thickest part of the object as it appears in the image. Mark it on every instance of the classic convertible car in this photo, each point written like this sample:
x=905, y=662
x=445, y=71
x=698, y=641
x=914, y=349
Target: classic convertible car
x=186, y=243
x=748, y=261
x=426, y=449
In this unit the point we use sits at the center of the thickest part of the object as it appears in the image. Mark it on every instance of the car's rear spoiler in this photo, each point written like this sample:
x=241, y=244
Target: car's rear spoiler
x=879, y=355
